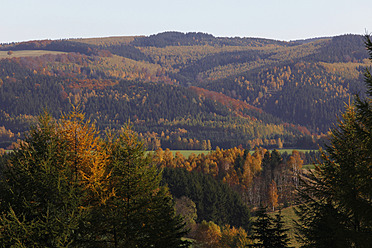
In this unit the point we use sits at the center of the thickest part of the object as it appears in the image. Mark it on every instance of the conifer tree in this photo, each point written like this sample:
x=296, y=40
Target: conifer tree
x=67, y=187
x=269, y=232
x=40, y=201
x=140, y=213
x=262, y=229
x=281, y=239
x=336, y=209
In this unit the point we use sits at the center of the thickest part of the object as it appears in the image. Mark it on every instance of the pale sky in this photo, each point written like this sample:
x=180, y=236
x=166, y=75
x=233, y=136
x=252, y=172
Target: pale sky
x=22, y=20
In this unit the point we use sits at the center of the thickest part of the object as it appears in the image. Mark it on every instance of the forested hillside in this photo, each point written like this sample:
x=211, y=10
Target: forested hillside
x=81, y=177
x=186, y=91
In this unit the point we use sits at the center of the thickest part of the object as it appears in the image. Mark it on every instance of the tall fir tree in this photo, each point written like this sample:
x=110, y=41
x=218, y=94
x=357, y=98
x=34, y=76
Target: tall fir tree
x=40, y=199
x=262, y=230
x=281, y=239
x=269, y=232
x=140, y=213
x=336, y=205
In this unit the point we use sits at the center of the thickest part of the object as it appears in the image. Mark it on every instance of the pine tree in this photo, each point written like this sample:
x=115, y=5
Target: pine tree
x=336, y=198
x=144, y=214
x=262, y=230
x=40, y=200
x=269, y=232
x=281, y=239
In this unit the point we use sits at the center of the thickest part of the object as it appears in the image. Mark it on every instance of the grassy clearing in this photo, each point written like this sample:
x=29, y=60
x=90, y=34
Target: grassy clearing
x=193, y=241
x=308, y=166
x=288, y=216
x=187, y=153
x=27, y=53
x=289, y=151
x=107, y=41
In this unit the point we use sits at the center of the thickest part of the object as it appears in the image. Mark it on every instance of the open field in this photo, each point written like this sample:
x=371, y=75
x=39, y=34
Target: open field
x=308, y=166
x=289, y=151
x=187, y=153
x=26, y=53
x=107, y=41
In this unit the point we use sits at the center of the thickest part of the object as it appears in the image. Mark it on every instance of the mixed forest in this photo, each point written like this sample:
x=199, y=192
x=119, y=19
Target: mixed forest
x=77, y=115
x=186, y=91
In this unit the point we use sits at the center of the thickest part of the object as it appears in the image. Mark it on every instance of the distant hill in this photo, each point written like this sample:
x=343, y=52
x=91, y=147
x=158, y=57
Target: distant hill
x=186, y=90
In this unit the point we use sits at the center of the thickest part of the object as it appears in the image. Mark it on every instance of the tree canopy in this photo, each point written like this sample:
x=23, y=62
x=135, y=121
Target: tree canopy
x=68, y=186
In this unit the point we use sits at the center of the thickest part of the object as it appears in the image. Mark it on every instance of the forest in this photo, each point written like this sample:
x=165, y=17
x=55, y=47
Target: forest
x=87, y=131
x=185, y=90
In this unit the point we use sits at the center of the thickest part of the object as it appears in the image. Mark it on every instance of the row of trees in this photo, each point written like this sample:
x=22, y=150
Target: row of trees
x=262, y=178
x=67, y=186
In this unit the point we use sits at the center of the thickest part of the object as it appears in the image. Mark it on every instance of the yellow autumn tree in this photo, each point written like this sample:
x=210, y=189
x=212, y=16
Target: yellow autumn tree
x=295, y=163
x=86, y=153
x=208, y=235
x=234, y=237
x=273, y=195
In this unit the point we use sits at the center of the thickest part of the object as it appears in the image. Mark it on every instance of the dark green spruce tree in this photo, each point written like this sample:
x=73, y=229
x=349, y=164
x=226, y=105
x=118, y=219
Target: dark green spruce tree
x=262, y=230
x=281, y=239
x=39, y=199
x=269, y=232
x=141, y=212
x=336, y=198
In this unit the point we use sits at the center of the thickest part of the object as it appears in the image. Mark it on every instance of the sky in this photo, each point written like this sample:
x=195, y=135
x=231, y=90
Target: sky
x=23, y=20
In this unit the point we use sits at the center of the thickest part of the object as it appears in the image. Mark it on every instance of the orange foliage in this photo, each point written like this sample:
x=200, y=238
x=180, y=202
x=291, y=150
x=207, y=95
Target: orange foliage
x=229, y=102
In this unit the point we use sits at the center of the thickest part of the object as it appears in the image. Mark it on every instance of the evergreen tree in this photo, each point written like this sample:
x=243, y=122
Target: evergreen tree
x=40, y=199
x=269, y=232
x=66, y=186
x=262, y=230
x=281, y=239
x=214, y=200
x=336, y=207
x=140, y=213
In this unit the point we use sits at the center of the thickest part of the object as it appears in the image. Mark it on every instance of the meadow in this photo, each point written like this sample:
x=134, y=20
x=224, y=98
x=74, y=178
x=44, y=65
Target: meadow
x=27, y=53
x=187, y=153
